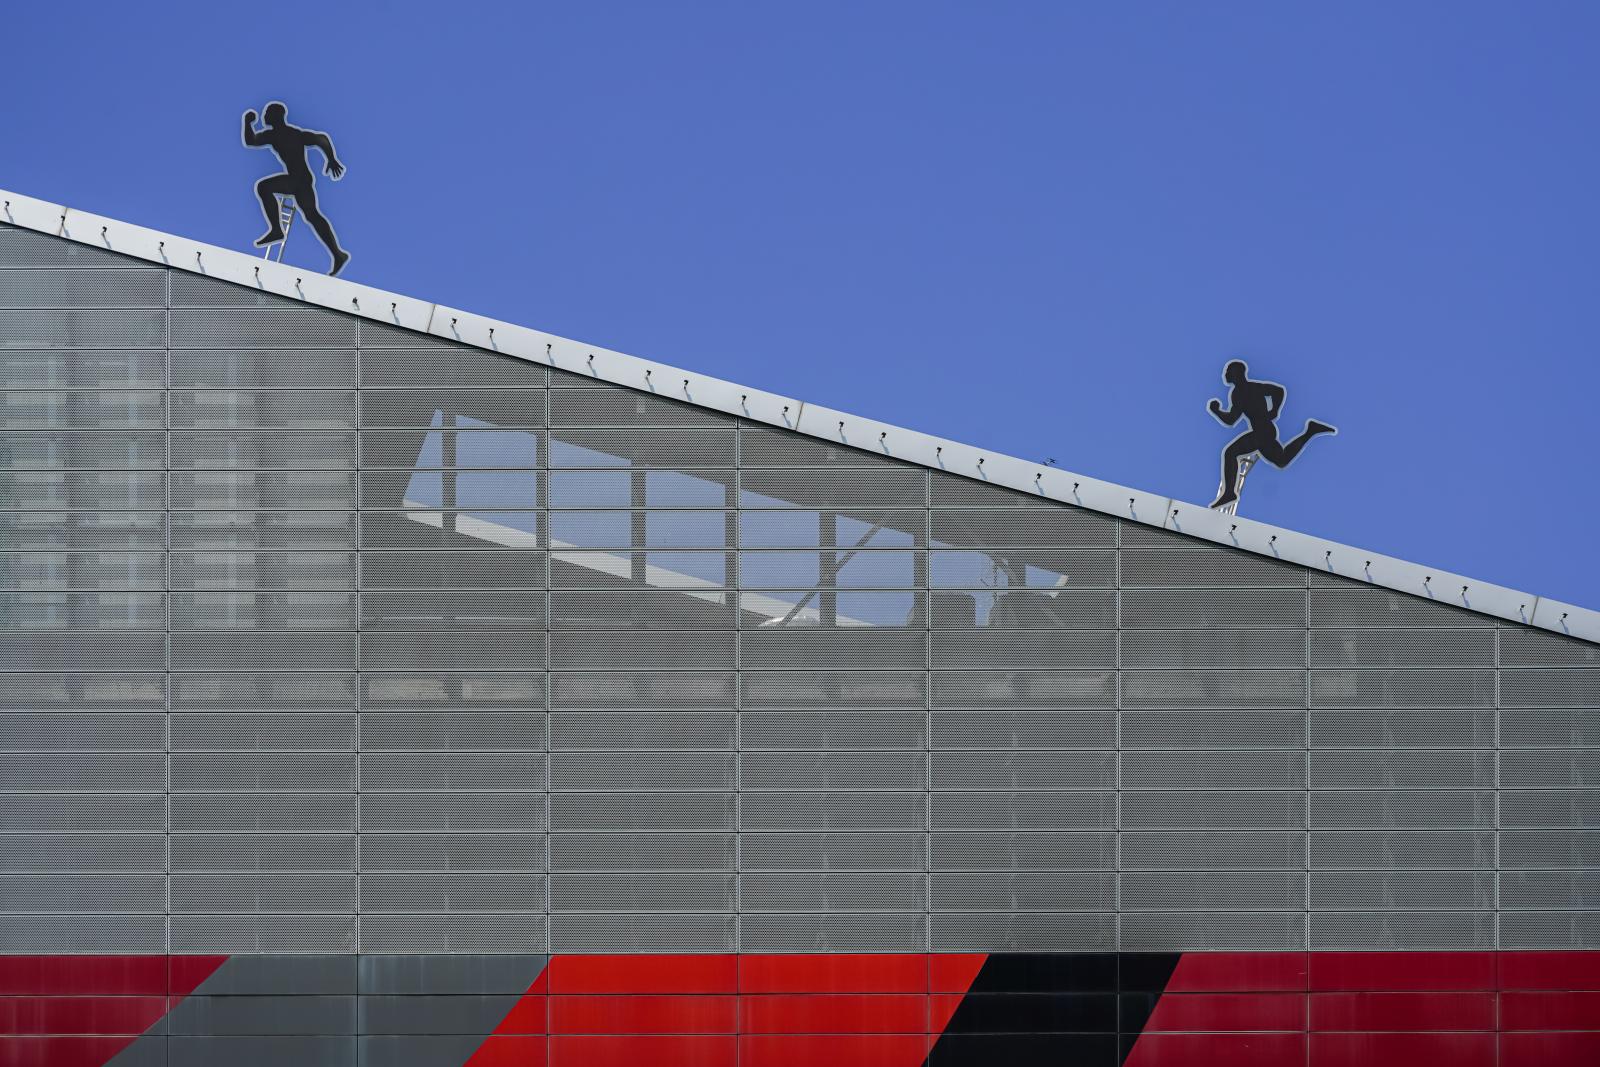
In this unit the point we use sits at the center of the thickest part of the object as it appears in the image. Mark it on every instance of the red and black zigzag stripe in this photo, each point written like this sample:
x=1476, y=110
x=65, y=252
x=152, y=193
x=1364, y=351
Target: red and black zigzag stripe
x=1238, y=1009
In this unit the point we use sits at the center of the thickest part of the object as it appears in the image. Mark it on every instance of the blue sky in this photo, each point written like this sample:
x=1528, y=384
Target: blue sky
x=1038, y=227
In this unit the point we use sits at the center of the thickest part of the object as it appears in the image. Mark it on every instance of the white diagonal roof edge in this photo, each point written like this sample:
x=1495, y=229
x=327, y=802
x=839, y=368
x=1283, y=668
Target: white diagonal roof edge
x=953, y=457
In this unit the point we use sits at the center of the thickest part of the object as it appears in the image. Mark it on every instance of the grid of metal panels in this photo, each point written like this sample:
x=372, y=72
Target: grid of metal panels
x=320, y=637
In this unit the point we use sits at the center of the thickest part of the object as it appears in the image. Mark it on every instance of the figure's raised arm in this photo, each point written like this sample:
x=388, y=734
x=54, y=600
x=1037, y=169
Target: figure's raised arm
x=1226, y=417
x=333, y=169
x=251, y=137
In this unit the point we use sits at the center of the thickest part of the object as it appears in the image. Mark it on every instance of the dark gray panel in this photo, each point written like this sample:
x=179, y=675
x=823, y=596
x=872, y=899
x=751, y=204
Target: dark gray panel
x=413, y=975
x=262, y=1051
x=418, y=1051
x=382, y=1014
x=148, y=1051
x=295, y=1015
x=245, y=975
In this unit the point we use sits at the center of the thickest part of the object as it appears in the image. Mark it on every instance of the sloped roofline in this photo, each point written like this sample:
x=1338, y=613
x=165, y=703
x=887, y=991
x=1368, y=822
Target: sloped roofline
x=828, y=424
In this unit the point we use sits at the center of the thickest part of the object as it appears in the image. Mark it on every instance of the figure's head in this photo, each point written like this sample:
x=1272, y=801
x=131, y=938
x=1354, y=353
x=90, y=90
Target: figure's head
x=275, y=114
x=1234, y=372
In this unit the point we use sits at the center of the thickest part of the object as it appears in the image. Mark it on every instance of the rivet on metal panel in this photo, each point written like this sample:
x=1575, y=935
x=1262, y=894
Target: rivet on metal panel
x=357, y=305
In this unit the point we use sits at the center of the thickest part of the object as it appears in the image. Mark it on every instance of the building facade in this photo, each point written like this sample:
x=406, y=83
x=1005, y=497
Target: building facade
x=373, y=698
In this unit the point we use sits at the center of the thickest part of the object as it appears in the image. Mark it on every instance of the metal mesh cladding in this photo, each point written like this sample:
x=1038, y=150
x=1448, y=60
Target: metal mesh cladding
x=320, y=635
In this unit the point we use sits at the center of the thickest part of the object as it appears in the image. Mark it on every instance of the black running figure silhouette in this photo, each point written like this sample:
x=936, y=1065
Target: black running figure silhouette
x=289, y=143
x=1260, y=403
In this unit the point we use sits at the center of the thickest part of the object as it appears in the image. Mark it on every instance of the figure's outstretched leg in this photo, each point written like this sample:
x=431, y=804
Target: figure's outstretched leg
x=324, y=231
x=1237, y=449
x=1284, y=455
x=267, y=190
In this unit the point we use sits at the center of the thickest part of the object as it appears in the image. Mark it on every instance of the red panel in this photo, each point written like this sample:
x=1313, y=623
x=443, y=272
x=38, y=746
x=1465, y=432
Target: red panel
x=612, y=1014
x=1550, y=970
x=838, y=1013
x=1550, y=1011
x=60, y=1051
x=1379, y=971
x=702, y=1050
x=1402, y=1050
x=80, y=1015
x=1402, y=1011
x=1239, y=972
x=187, y=972
x=643, y=974
x=953, y=973
x=834, y=974
x=509, y=1052
x=47, y=976
x=834, y=1050
x=1218, y=1050
x=1228, y=1011
x=1549, y=1050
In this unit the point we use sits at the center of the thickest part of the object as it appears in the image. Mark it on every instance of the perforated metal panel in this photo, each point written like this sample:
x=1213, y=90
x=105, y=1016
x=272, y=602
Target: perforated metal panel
x=327, y=636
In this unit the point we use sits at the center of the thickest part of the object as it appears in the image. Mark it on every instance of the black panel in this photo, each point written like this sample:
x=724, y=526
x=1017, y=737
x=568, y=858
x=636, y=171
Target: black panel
x=1016, y=1050
x=1025, y=1013
x=1145, y=972
x=1054, y=1008
x=1054, y=972
x=1134, y=1010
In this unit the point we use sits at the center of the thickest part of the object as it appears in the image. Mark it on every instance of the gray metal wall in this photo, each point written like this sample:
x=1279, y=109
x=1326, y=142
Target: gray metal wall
x=325, y=636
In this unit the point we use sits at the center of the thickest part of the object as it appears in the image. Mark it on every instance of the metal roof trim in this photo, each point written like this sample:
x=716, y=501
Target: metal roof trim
x=783, y=412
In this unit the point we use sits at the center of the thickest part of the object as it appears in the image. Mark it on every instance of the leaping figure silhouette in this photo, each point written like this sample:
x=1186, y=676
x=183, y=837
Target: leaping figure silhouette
x=1260, y=403
x=289, y=144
